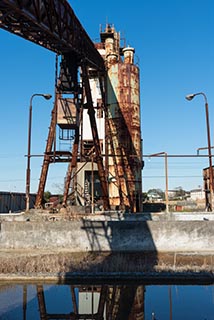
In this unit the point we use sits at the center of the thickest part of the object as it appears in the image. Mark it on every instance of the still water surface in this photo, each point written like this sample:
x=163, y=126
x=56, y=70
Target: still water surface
x=108, y=302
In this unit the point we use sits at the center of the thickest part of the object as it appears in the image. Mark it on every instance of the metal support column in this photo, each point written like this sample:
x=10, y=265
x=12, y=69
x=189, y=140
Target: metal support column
x=95, y=136
x=46, y=161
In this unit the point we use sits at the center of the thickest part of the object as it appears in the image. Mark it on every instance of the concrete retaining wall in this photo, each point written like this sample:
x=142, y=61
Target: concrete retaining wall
x=87, y=235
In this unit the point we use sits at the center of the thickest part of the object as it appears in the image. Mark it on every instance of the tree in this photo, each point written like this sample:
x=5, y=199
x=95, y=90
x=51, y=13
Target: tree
x=158, y=193
x=47, y=195
x=144, y=196
x=180, y=193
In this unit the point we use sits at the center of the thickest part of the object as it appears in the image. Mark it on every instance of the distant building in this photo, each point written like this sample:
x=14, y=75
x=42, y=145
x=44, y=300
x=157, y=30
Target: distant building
x=171, y=194
x=197, y=194
x=154, y=196
x=178, y=194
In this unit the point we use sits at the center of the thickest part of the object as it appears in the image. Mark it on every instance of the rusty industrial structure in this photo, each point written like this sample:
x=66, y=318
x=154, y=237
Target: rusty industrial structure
x=96, y=112
x=98, y=302
x=206, y=182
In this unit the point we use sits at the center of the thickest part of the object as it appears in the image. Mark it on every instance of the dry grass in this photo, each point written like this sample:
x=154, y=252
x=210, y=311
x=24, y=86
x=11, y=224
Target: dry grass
x=93, y=262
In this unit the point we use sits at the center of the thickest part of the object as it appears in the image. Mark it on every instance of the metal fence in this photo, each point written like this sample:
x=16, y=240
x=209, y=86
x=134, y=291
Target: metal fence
x=14, y=201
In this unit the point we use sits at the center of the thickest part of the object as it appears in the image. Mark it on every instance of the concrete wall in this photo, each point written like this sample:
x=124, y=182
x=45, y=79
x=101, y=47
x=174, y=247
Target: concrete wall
x=87, y=235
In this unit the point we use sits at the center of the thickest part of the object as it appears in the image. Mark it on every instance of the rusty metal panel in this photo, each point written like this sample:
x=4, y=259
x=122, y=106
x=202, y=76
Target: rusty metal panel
x=14, y=201
x=206, y=177
x=67, y=115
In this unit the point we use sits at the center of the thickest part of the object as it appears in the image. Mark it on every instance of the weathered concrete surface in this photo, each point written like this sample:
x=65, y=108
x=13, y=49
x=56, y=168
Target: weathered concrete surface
x=123, y=236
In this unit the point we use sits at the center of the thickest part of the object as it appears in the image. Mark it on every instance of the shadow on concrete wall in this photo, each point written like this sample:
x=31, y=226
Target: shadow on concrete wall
x=120, y=246
x=125, y=257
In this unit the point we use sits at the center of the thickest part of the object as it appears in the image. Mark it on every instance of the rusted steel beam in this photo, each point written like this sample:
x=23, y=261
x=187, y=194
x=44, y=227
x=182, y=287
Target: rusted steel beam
x=46, y=160
x=24, y=302
x=51, y=24
x=41, y=302
x=111, y=302
x=74, y=300
x=103, y=298
x=99, y=159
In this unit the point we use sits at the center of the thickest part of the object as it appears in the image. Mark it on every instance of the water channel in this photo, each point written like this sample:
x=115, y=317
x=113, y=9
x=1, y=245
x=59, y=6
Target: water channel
x=107, y=301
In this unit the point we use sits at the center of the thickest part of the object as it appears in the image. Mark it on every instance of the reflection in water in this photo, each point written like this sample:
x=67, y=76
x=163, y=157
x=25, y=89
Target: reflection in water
x=106, y=302
x=99, y=302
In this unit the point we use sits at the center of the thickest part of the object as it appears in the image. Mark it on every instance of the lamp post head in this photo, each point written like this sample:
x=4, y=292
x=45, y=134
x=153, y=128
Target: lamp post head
x=190, y=96
x=47, y=96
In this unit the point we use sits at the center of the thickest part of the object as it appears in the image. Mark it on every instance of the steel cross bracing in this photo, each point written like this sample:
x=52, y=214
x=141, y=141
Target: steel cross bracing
x=51, y=24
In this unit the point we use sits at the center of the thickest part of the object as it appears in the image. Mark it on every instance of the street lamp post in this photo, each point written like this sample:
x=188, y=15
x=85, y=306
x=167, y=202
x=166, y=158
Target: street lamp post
x=190, y=97
x=166, y=176
x=47, y=97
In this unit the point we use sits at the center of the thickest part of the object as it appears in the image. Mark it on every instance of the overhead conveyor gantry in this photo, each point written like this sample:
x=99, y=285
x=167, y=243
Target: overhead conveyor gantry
x=51, y=24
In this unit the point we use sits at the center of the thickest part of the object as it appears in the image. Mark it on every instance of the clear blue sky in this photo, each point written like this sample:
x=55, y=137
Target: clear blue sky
x=175, y=49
